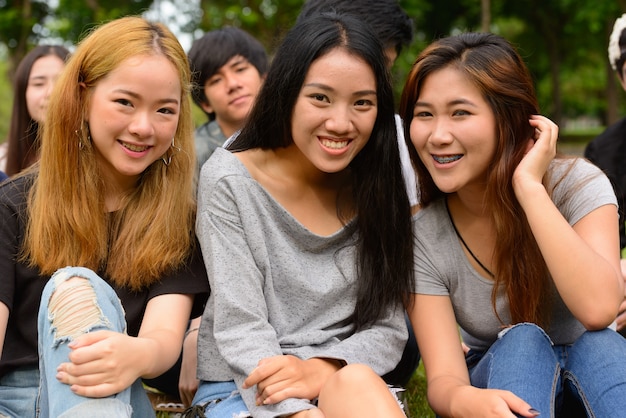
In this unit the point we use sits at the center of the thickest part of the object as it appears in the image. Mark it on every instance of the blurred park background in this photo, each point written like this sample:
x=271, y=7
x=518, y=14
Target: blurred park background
x=564, y=42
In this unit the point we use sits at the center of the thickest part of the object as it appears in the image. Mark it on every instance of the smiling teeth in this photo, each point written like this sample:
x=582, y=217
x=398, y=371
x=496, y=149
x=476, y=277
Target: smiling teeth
x=447, y=159
x=134, y=148
x=334, y=144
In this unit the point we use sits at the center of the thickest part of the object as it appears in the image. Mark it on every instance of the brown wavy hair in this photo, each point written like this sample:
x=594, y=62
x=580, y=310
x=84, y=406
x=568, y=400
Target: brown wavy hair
x=491, y=64
x=68, y=224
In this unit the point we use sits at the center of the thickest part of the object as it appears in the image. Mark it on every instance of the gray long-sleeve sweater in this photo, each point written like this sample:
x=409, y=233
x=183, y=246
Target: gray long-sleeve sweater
x=277, y=288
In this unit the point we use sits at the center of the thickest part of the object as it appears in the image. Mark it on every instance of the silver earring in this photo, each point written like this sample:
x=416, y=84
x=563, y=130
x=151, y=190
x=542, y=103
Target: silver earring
x=169, y=157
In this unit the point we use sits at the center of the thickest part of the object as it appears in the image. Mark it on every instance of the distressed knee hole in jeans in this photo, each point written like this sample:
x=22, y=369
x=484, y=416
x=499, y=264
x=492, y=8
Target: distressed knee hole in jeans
x=73, y=309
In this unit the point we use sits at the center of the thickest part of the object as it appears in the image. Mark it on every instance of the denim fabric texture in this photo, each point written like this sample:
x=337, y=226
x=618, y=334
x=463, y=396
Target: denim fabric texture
x=220, y=400
x=19, y=391
x=524, y=361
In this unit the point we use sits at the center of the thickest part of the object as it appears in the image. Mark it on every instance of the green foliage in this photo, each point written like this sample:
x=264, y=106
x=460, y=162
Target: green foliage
x=74, y=17
x=6, y=102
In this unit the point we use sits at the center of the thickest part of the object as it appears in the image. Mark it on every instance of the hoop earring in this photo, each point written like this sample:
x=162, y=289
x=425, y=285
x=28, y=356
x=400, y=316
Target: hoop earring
x=81, y=135
x=169, y=157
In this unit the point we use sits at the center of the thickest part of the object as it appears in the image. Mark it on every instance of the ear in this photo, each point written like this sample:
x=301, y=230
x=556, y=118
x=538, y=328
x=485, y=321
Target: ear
x=208, y=109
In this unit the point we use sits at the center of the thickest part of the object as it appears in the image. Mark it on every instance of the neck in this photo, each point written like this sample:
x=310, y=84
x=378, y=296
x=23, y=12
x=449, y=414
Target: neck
x=469, y=202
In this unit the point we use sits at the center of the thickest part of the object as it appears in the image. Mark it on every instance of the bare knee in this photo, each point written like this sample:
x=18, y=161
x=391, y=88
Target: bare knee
x=351, y=379
x=73, y=308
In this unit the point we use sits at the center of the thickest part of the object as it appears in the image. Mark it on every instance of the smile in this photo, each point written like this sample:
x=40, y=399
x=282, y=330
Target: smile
x=334, y=144
x=134, y=148
x=447, y=159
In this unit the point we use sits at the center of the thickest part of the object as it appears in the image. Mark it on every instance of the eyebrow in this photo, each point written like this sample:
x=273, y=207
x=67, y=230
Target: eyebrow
x=328, y=88
x=135, y=95
x=451, y=103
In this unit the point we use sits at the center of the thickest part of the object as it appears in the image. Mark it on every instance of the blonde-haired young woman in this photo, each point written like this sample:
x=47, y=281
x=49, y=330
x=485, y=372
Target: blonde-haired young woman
x=113, y=195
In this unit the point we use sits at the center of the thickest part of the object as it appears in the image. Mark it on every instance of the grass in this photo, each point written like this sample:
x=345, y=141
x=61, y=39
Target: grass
x=415, y=396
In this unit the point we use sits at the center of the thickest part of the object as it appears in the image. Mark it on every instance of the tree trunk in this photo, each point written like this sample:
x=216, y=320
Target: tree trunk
x=485, y=14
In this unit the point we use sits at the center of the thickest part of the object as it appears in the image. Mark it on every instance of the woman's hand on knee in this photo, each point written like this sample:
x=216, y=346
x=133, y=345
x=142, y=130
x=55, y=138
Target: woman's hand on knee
x=102, y=363
x=281, y=377
x=491, y=403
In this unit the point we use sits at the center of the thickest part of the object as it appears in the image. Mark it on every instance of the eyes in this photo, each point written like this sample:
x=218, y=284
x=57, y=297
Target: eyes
x=321, y=99
x=38, y=83
x=454, y=113
x=166, y=110
x=238, y=69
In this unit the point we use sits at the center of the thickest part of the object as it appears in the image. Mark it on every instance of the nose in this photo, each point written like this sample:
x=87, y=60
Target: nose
x=339, y=120
x=232, y=81
x=49, y=87
x=440, y=133
x=141, y=125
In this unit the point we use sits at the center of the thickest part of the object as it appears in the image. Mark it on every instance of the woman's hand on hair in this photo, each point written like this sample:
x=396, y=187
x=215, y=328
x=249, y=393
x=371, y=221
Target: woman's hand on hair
x=540, y=151
x=281, y=377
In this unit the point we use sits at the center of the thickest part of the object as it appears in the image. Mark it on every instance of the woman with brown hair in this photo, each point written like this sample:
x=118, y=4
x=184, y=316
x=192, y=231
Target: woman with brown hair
x=516, y=245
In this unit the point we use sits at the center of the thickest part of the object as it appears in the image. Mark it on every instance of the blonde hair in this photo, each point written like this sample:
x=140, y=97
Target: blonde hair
x=68, y=224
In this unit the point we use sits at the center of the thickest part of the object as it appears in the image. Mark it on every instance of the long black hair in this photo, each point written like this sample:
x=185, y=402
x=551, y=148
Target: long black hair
x=383, y=221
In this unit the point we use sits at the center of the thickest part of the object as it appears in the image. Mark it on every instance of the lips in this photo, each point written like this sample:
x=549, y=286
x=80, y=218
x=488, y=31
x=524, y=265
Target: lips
x=239, y=99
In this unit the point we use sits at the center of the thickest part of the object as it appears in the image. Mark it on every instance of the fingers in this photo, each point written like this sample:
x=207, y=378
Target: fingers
x=90, y=338
x=545, y=130
x=266, y=368
x=518, y=405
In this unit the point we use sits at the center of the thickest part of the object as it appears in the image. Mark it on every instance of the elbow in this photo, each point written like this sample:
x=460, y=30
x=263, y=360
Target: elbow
x=599, y=319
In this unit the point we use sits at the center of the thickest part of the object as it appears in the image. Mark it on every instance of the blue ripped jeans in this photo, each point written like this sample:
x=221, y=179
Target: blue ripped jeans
x=524, y=361
x=93, y=306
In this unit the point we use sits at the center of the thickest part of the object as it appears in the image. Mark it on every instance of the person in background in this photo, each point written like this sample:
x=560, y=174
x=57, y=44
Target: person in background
x=608, y=150
x=394, y=28
x=99, y=234
x=305, y=229
x=517, y=247
x=228, y=68
x=33, y=81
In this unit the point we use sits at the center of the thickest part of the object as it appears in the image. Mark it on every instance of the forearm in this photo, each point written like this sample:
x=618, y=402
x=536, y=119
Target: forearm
x=157, y=352
x=4, y=320
x=586, y=280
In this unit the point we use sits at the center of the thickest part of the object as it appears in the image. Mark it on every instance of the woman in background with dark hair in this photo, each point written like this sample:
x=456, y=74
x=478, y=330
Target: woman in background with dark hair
x=34, y=78
x=304, y=224
x=518, y=247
